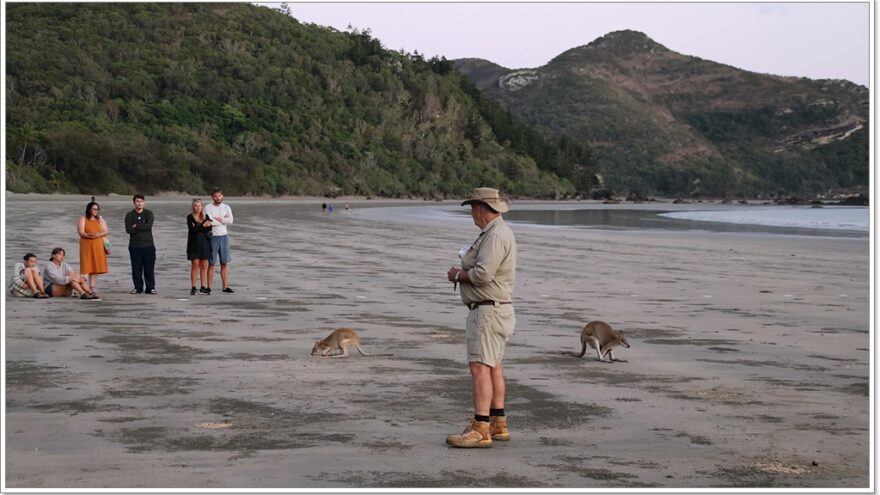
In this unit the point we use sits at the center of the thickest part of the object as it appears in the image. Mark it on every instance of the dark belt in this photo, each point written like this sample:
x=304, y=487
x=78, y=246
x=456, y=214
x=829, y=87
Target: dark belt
x=474, y=305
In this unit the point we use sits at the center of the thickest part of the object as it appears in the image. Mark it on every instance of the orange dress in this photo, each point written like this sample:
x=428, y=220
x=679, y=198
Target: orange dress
x=92, y=258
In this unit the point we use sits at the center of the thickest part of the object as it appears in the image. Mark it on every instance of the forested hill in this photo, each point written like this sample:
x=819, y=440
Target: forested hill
x=663, y=122
x=184, y=97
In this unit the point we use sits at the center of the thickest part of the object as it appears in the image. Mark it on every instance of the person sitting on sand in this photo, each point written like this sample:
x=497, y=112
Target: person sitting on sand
x=26, y=279
x=62, y=280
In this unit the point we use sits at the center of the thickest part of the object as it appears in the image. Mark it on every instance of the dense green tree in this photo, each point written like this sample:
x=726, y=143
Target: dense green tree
x=185, y=97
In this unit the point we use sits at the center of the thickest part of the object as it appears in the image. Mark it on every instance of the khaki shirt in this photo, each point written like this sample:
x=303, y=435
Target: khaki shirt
x=491, y=265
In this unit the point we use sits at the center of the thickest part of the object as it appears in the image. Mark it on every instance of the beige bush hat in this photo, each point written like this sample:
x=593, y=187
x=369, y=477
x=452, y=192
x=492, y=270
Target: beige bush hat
x=491, y=197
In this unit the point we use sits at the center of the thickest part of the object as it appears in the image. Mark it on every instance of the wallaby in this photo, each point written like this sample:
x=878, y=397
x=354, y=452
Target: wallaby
x=601, y=337
x=341, y=340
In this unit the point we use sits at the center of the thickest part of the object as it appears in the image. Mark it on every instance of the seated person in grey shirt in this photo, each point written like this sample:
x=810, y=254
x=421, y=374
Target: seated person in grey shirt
x=62, y=280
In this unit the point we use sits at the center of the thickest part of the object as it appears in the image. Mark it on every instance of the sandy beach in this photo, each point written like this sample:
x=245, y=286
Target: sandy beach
x=749, y=364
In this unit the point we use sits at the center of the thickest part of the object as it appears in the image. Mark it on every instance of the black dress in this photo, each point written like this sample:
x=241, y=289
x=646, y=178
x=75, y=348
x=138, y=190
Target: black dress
x=198, y=242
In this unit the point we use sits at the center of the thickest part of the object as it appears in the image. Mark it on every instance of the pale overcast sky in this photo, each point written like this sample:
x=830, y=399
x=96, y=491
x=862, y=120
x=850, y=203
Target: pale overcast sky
x=815, y=40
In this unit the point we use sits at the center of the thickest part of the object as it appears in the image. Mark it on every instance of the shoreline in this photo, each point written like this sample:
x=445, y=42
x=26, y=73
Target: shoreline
x=749, y=364
x=380, y=199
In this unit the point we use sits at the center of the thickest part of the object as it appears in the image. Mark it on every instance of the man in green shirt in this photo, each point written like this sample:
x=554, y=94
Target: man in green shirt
x=487, y=277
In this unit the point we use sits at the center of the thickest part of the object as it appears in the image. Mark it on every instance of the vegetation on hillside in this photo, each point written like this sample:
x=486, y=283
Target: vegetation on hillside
x=185, y=97
x=659, y=122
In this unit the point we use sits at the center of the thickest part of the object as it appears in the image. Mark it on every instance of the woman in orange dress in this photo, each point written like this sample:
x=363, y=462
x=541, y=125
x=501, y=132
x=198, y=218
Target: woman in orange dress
x=92, y=230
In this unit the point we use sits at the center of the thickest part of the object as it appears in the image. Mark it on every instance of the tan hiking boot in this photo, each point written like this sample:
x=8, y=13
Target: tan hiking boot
x=476, y=435
x=498, y=428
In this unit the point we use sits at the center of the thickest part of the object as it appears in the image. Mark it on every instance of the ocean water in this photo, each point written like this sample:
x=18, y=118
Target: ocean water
x=781, y=220
x=834, y=218
x=838, y=221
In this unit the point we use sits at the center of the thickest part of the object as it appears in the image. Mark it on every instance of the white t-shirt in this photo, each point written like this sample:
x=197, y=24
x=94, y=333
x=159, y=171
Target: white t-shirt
x=57, y=274
x=221, y=216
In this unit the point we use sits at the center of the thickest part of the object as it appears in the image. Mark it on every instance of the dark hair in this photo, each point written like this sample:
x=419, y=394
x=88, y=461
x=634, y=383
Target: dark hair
x=89, y=208
x=138, y=196
x=29, y=256
x=56, y=251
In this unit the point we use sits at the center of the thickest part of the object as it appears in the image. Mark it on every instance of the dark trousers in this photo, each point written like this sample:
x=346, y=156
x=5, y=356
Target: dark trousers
x=143, y=265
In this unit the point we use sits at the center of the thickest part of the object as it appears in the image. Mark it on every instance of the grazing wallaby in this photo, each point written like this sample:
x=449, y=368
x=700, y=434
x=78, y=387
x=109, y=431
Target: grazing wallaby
x=601, y=337
x=341, y=340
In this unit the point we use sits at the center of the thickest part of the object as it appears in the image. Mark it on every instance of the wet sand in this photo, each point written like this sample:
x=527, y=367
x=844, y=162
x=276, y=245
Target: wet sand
x=749, y=364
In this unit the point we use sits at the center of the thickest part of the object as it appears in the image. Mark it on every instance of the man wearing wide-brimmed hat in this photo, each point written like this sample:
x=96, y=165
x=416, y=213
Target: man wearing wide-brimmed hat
x=487, y=276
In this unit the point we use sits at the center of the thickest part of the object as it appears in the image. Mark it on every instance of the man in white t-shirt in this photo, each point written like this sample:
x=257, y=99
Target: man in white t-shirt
x=221, y=216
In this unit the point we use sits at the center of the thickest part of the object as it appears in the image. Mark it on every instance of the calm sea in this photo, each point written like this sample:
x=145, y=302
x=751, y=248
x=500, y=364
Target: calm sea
x=825, y=222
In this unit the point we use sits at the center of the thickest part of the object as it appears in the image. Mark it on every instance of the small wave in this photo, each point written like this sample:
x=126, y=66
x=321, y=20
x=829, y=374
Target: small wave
x=842, y=218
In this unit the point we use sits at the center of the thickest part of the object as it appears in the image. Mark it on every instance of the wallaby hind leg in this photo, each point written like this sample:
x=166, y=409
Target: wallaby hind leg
x=598, y=349
x=611, y=357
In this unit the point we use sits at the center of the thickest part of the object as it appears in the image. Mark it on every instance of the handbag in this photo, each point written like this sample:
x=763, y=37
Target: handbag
x=210, y=232
x=107, y=246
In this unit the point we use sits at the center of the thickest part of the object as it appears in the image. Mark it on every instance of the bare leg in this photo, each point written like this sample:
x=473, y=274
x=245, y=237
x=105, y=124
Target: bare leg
x=59, y=290
x=482, y=378
x=203, y=272
x=193, y=271
x=93, y=281
x=498, y=388
x=224, y=274
x=210, y=275
x=80, y=287
x=79, y=283
x=34, y=281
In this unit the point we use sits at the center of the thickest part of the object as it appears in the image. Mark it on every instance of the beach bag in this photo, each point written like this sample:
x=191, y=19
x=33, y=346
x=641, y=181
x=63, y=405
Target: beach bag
x=210, y=233
x=107, y=246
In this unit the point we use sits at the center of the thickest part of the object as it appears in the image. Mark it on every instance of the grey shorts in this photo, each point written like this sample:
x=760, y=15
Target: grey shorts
x=220, y=249
x=488, y=329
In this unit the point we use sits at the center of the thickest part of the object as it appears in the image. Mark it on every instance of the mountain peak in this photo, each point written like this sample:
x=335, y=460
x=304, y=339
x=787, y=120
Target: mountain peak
x=627, y=41
x=622, y=44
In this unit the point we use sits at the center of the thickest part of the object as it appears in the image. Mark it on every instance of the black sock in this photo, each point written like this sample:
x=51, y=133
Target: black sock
x=484, y=419
x=496, y=412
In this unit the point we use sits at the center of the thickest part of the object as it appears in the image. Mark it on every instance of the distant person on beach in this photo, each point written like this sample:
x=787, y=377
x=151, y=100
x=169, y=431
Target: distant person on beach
x=330, y=209
x=221, y=216
x=92, y=232
x=141, y=249
x=346, y=206
x=324, y=208
x=61, y=279
x=198, y=247
x=487, y=276
x=26, y=279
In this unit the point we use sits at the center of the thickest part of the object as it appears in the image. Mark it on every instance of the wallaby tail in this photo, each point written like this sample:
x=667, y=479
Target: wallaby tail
x=370, y=355
x=583, y=348
x=569, y=353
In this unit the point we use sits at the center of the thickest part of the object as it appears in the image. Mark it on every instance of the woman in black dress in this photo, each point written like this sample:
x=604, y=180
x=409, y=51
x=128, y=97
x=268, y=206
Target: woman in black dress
x=198, y=246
